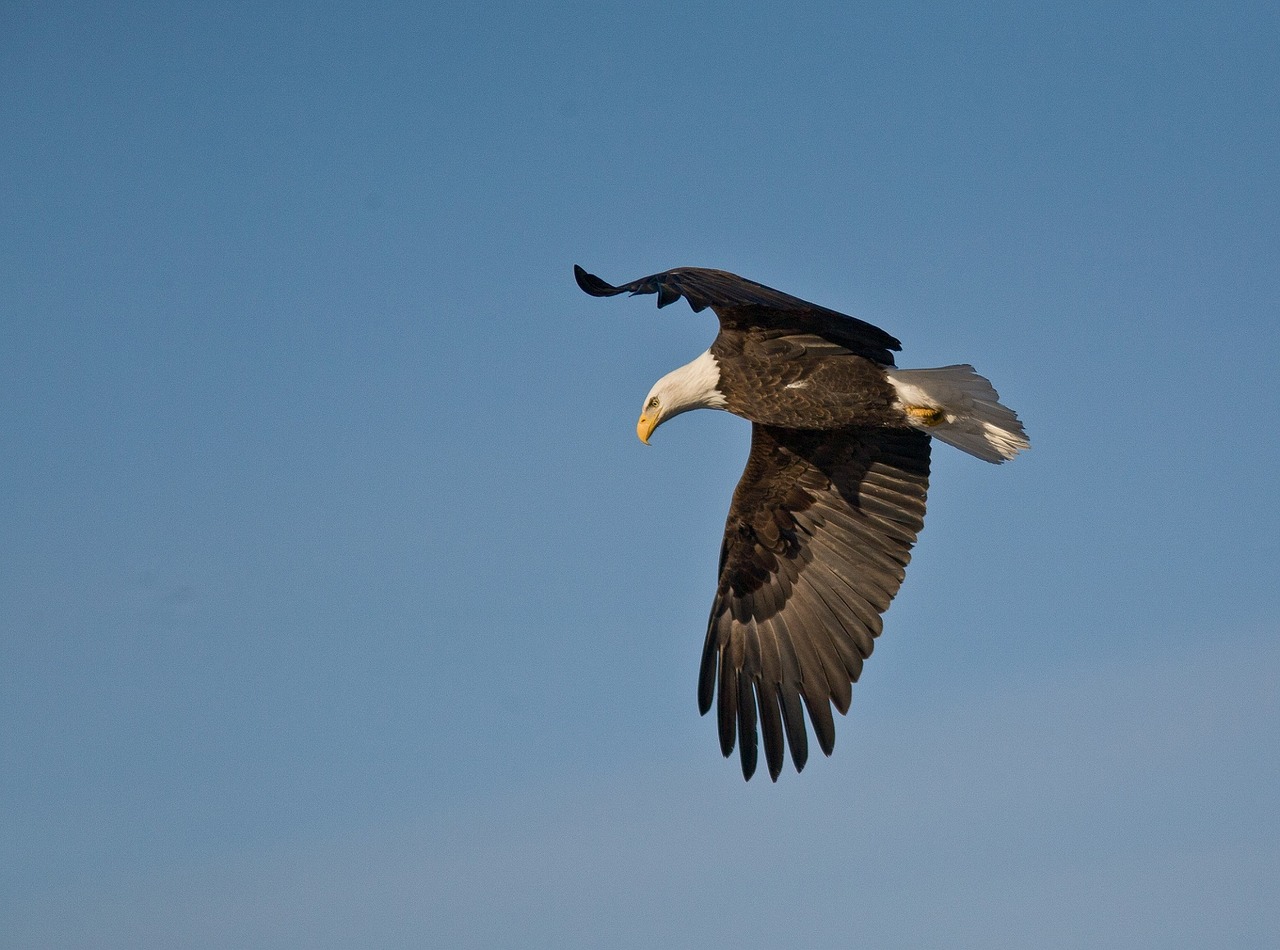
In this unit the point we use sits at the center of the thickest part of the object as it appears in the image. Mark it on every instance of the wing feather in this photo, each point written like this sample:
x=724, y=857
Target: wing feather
x=747, y=725
x=816, y=615
x=771, y=728
x=815, y=548
x=792, y=713
x=865, y=621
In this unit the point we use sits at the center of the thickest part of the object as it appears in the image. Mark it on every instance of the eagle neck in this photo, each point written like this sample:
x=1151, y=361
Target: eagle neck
x=696, y=385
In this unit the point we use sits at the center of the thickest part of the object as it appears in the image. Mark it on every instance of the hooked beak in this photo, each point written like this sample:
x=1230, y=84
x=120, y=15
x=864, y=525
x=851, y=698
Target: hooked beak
x=646, y=425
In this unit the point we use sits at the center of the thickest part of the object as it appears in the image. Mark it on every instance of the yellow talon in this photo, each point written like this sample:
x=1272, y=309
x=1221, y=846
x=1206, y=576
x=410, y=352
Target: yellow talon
x=926, y=415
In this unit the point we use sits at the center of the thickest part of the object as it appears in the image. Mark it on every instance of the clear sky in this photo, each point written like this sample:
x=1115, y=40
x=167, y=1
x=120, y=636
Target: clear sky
x=340, y=606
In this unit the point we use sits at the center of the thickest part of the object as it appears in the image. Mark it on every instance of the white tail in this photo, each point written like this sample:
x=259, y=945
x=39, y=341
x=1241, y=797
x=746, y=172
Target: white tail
x=958, y=406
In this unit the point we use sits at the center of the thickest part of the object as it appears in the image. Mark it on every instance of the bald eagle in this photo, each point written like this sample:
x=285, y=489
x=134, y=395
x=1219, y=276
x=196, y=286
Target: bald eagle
x=822, y=522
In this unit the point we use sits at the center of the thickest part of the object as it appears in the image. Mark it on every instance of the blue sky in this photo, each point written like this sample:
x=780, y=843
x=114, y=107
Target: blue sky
x=339, y=605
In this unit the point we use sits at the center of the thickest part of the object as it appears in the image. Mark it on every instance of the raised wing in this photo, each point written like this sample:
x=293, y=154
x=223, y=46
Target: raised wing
x=743, y=304
x=815, y=547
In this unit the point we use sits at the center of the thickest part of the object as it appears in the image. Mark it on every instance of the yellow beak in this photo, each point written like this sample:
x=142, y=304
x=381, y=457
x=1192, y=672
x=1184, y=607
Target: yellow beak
x=646, y=425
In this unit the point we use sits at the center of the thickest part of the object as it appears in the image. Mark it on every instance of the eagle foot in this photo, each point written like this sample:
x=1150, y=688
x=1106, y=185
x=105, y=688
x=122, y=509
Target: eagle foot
x=926, y=415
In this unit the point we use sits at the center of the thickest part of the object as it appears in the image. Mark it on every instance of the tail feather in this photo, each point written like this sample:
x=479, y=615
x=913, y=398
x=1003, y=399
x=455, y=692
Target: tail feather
x=960, y=407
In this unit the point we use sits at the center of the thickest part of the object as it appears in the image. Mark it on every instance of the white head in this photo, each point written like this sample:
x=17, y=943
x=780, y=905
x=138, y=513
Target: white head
x=692, y=386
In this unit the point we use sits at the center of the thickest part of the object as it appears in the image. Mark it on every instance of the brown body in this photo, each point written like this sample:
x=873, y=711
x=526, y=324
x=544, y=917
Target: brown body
x=801, y=382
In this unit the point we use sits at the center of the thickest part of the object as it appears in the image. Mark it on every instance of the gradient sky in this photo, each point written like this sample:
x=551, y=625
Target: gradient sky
x=340, y=606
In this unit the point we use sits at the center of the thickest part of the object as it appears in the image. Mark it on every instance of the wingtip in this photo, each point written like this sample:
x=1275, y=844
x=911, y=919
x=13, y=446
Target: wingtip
x=592, y=284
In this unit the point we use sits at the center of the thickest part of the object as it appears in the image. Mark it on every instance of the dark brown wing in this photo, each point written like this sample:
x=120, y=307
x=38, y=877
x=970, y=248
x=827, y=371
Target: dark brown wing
x=815, y=546
x=743, y=303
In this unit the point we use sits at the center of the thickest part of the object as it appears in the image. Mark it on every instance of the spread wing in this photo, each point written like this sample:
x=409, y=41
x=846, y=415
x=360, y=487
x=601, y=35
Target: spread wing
x=817, y=539
x=744, y=304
